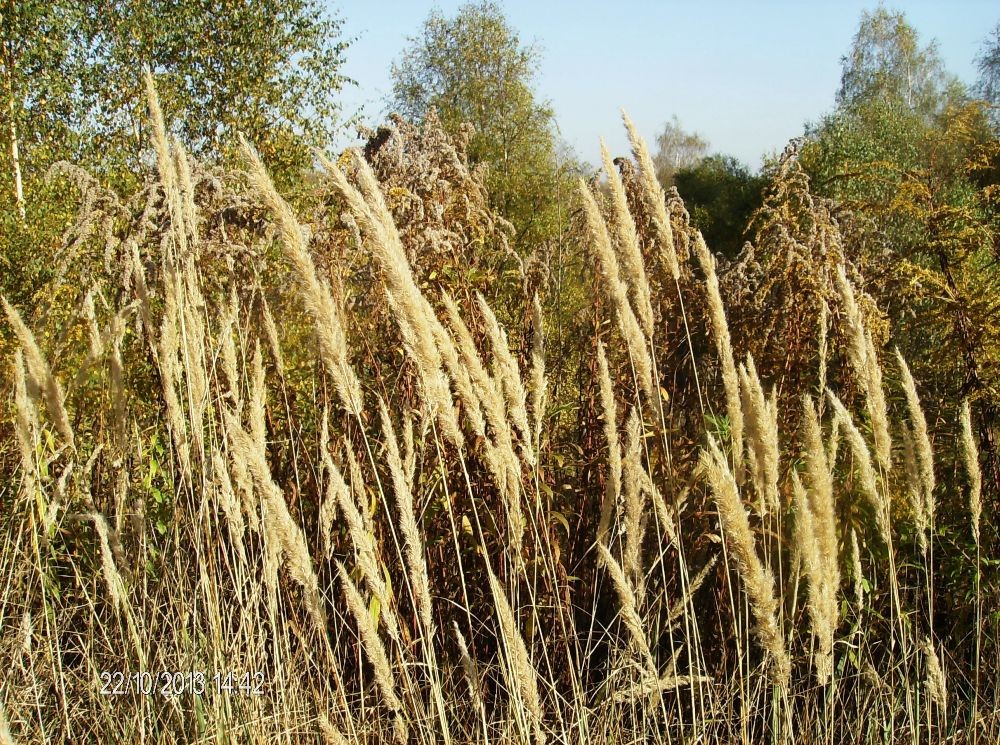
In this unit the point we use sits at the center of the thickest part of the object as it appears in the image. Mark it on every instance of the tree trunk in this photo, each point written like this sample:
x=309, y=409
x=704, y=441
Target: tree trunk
x=15, y=153
x=16, y=160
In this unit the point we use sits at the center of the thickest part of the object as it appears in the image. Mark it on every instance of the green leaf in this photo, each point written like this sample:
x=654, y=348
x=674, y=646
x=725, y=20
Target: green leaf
x=561, y=519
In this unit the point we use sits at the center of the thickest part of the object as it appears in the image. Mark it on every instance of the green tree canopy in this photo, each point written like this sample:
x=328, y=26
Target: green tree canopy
x=988, y=83
x=472, y=68
x=887, y=62
x=895, y=93
x=721, y=194
x=39, y=43
x=71, y=88
x=914, y=162
x=73, y=77
x=270, y=69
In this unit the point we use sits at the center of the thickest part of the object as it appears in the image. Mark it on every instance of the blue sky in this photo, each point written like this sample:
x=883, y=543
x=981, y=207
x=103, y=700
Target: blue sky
x=745, y=75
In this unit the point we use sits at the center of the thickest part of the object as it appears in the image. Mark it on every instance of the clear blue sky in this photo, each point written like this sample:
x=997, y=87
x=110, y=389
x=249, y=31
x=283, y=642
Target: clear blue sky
x=746, y=75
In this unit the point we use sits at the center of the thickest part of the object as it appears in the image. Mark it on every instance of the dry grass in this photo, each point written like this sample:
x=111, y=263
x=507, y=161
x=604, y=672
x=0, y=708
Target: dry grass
x=460, y=540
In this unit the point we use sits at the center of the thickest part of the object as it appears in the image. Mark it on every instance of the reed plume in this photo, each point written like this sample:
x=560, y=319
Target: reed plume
x=485, y=391
x=816, y=530
x=284, y=535
x=470, y=669
x=331, y=735
x=186, y=197
x=412, y=538
x=629, y=606
x=652, y=687
x=758, y=581
x=655, y=200
x=472, y=404
x=523, y=675
x=6, y=738
x=627, y=241
x=25, y=426
x=193, y=355
x=229, y=502
x=934, y=679
x=856, y=572
x=168, y=349
x=613, y=485
x=40, y=377
x=112, y=578
x=634, y=502
x=509, y=376
x=635, y=340
x=117, y=367
x=365, y=548
x=822, y=596
x=376, y=653
x=682, y=605
x=227, y=350
x=94, y=333
x=539, y=384
x=410, y=309
x=499, y=455
x=823, y=343
x=724, y=348
x=316, y=294
x=822, y=501
x=271, y=335
x=970, y=454
x=760, y=418
x=864, y=360
x=164, y=162
x=922, y=440
x=864, y=467
x=915, y=488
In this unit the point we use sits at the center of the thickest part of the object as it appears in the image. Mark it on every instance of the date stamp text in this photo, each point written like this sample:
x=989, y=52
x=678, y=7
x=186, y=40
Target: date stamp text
x=181, y=683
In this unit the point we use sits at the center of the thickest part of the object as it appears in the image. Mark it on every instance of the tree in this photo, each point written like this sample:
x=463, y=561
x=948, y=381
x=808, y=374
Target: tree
x=886, y=62
x=988, y=83
x=74, y=91
x=721, y=194
x=913, y=162
x=71, y=89
x=270, y=69
x=473, y=69
x=36, y=41
x=677, y=149
x=894, y=93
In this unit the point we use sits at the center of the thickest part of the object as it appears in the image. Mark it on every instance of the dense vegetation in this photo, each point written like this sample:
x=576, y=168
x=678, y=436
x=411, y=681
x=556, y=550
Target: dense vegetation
x=448, y=438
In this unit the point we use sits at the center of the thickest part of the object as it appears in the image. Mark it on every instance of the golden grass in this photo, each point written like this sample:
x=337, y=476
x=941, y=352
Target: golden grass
x=454, y=543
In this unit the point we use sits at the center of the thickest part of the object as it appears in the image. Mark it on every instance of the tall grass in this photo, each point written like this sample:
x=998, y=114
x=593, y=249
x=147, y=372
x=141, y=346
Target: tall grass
x=383, y=539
